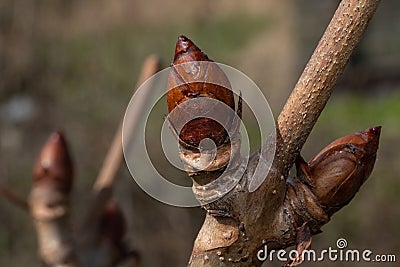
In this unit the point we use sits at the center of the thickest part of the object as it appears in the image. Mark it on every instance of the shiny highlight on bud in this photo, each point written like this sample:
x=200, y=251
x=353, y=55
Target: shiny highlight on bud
x=337, y=172
x=189, y=79
x=54, y=166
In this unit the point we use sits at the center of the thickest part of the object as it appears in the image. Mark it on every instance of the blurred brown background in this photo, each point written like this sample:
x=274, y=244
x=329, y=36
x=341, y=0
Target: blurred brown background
x=73, y=64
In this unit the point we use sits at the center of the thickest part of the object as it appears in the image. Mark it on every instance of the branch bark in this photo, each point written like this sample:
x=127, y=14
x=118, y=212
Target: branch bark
x=282, y=210
x=317, y=82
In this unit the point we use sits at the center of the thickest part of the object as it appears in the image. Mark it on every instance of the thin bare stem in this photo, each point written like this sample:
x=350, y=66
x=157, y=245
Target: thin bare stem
x=317, y=82
x=103, y=186
x=13, y=198
x=114, y=155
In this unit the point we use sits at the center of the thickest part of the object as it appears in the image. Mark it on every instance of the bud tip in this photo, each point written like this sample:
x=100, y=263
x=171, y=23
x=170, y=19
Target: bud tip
x=185, y=45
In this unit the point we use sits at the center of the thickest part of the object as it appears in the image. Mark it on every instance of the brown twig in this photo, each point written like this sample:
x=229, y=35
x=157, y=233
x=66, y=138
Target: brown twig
x=317, y=82
x=13, y=198
x=114, y=155
x=103, y=186
x=260, y=217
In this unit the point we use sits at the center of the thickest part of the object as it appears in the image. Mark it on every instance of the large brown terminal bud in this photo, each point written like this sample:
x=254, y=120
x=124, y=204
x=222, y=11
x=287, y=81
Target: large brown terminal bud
x=195, y=77
x=192, y=80
x=338, y=171
x=54, y=166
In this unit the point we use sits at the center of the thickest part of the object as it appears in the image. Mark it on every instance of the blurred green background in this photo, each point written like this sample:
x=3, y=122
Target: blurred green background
x=73, y=65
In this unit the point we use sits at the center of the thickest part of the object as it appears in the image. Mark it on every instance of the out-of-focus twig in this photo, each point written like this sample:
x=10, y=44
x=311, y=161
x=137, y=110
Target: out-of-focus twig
x=113, y=158
x=13, y=198
x=102, y=188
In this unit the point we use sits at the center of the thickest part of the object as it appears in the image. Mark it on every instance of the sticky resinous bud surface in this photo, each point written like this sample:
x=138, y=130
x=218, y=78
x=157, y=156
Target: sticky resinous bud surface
x=201, y=106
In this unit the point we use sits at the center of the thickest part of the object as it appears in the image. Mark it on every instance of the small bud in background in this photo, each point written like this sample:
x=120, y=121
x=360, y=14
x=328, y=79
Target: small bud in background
x=338, y=171
x=54, y=166
x=212, y=83
x=113, y=224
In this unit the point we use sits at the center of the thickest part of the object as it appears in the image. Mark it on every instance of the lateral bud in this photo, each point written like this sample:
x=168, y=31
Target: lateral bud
x=337, y=172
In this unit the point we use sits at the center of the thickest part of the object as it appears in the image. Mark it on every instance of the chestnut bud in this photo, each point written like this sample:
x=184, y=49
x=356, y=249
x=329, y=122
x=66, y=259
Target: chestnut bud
x=208, y=116
x=183, y=87
x=54, y=166
x=337, y=172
